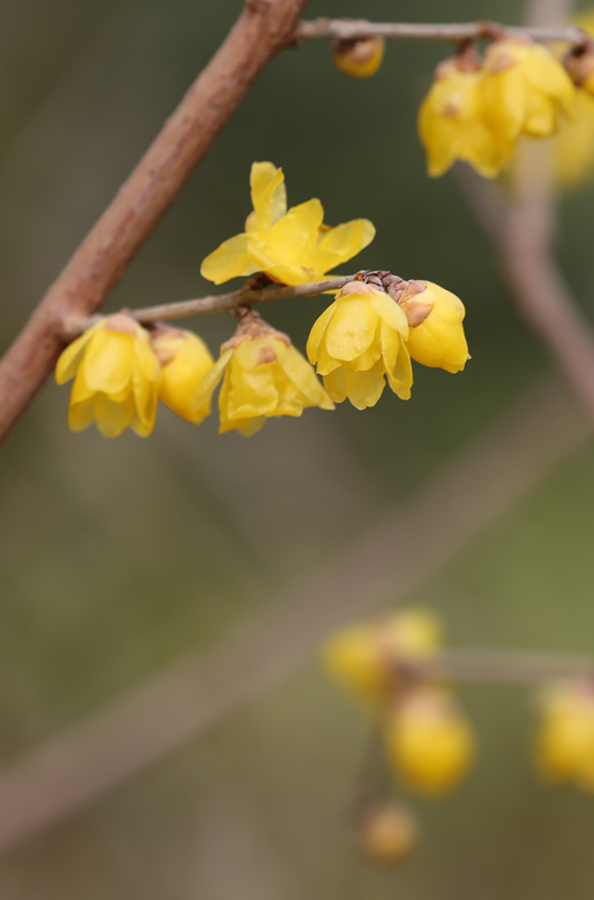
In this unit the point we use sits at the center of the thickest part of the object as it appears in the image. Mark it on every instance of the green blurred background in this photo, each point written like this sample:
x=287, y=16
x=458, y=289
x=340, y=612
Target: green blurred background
x=117, y=558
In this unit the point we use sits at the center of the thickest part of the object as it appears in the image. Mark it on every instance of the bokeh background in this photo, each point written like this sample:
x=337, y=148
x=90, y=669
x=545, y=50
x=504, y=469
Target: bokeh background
x=119, y=558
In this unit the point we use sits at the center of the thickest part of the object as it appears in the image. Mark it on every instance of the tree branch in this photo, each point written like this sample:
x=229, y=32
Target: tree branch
x=350, y=29
x=383, y=565
x=261, y=31
x=215, y=303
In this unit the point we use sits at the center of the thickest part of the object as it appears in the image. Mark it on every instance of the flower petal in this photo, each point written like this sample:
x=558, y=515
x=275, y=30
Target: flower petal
x=352, y=328
x=107, y=363
x=317, y=332
x=269, y=194
x=302, y=375
x=230, y=260
x=365, y=388
x=207, y=385
x=71, y=357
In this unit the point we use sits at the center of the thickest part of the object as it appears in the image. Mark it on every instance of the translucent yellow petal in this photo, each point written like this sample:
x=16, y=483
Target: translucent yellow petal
x=71, y=357
x=292, y=237
x=574, y=145
x=303, y=376
x=365, y=388
x=318, y=329
x=346, y=240
x=107, y=362
x=247, y=427
x=352, y=327
x=112, y=418
x=207, y=385
x=326, y=363
x=547, y=75
x=269, y=194
x=400, y=378
x=80, y=415
x=335, y=385
x=230, y=260
x=389, y=312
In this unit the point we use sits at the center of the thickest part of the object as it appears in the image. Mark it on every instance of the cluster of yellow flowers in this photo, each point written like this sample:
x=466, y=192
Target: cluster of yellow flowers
x=477, y=109
x=428, y=741
x=375, y=325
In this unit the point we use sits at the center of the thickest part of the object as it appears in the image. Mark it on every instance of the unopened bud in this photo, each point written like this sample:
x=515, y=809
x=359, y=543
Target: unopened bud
x=388, y=833
x=359, y=58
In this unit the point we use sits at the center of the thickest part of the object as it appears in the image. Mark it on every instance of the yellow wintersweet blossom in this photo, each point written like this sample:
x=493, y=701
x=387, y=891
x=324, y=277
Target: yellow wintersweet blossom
x=359, y=58
x=116, y=378
x=264, y=375
x=523, y=90
x=366, y=657
x=185, y=359
x=451, y=123
x=357, y=341
x=436, y=335
x=291, y=247
x=429, y=740
x=565, y=742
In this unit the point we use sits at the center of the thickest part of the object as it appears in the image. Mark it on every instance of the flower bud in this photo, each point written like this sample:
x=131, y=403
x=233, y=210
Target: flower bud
x=388, y=833
x=437, y=339
x=359, y=58
x=185, y=359
x=430, y=743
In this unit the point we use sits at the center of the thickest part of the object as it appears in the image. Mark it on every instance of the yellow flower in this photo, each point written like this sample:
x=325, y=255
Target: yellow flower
x=117, y=378
x=524, y=90
x=366, y=657
x=263, y=376
x=293, y=247
x=430, y=743
x=185, y=359
x=565, y=742
x=357, y=341
x=388, y=833
x=451, y=124
x=436, y=335
x=359, y=58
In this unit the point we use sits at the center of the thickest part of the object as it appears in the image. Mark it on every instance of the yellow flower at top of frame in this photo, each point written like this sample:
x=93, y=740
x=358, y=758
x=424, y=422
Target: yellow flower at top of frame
x=523, y=90
x=429, y=740
x=357, y=341
x=185, y=359
x=264, y=375
x=451, y=124
x=359, y=58
x=116, y=378
x=291, y=247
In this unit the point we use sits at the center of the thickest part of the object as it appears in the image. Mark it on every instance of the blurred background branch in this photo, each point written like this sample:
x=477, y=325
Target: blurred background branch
x=351, y=29
x=402, y=549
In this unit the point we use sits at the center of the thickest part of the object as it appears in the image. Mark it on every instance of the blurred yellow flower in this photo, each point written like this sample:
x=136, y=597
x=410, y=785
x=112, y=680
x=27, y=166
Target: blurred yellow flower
x=451, y=123
x=430, y=742
x=574, y=145
x=117, y=378
x=523, y=90
x=264, y=375
x=565, y=741
x=293, y=247
x=357, y=341
x=185, y=359
x=366, y=657
x=359, y=58
x=436, y=335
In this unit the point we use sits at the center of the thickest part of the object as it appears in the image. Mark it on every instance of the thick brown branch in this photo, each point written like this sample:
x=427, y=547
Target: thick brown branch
x=348, y=29
x=409, y=544
x=216, y=303
x=264, y=28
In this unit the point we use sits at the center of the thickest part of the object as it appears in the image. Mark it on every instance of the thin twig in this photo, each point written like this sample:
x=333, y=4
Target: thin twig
x=383, y=565
x=503, y=666
x=100, y=261
x=215, y=303
x=350, y=29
